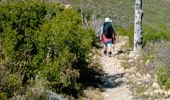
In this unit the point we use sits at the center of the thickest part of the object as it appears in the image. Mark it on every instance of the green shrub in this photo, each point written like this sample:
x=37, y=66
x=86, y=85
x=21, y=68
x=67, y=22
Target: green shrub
x=3, y=96
x=126, y=32
x=41, y=38
x=158, y=53
x=162, y=76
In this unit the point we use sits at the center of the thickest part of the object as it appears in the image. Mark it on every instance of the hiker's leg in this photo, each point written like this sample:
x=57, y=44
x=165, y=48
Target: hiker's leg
x=109, y=45
x=105, y=48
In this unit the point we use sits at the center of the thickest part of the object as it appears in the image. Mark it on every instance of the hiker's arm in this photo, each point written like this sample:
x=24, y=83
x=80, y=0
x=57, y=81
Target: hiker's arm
x=114, y=35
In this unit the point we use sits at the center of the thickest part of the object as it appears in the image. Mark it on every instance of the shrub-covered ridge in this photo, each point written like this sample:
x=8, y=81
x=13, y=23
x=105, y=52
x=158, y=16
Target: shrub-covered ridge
x=42, y=39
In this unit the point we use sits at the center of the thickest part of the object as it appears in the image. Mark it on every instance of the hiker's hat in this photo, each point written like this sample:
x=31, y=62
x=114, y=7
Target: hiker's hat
x=108, y=19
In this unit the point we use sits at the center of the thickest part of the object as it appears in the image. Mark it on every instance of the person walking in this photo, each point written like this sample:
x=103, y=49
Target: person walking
x=108, y=36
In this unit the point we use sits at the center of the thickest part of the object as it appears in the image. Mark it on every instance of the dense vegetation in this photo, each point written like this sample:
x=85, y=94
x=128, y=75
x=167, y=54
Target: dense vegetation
x=122, y=11
x=43, y=44
x=155, y=20
x=43, y=41
x=156, y=27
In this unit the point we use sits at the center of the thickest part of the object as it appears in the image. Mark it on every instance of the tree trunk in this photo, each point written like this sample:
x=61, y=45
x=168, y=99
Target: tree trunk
x=138, y=27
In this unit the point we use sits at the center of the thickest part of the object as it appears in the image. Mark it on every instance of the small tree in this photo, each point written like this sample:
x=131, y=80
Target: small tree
x=138, y=27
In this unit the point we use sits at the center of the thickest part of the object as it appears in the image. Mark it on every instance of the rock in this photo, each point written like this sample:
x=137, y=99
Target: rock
x=125, y=80
x=133, y=76
x=123, y=61
x=137, y=57
x=53, y=96
x=168, y=92
x=155, y=85
x=145, y=79
x=132, y=54
x=126, y=74
x=148, y=75
x=138, y=75
x=146, y=93
x=67, y=6
x=151, y=93
x=139, y=83
x=160, y=92
x=130, y=61
x=156, y=92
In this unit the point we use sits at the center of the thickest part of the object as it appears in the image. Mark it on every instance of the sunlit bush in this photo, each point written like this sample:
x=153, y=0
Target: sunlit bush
x=45, y=39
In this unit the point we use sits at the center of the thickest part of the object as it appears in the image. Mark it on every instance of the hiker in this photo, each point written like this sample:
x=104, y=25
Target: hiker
x=108, y=36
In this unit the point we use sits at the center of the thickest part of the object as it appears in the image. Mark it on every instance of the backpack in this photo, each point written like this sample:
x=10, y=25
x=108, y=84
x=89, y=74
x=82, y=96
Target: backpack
x=108, y=29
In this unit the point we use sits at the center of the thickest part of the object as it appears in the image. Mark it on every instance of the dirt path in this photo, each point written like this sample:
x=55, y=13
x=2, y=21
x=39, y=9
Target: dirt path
x=116, y=87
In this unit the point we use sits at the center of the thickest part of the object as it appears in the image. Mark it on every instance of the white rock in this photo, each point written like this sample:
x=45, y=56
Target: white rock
x=160, y=92
x=156, y=92
x=133, y=76
x=123, y=61
x=168, y=92
x=151, y=93
x=138, y=75
x=126, y=74
x=130, y=61
x=146, y=93
x=148, y=75
x=145, y=78
x=155, y=85
x=132, y=54
x=67, y=6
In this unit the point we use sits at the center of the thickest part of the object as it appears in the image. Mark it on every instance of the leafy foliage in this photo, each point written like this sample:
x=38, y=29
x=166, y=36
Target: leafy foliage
x=44, y=39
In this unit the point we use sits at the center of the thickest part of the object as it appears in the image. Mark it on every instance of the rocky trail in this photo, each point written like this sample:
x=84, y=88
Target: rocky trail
x=115, y=84
x=125, y=78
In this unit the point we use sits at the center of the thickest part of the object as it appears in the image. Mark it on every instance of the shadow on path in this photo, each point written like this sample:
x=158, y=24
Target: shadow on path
x=112, y=81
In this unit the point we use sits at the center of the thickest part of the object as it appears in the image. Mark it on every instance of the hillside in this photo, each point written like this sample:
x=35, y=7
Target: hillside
x=122, y=11
x=49, y=51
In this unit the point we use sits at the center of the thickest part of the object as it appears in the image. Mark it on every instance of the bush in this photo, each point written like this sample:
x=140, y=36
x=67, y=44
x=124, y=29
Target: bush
x=158, y=53
x=44, y=39
x=126, y=32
